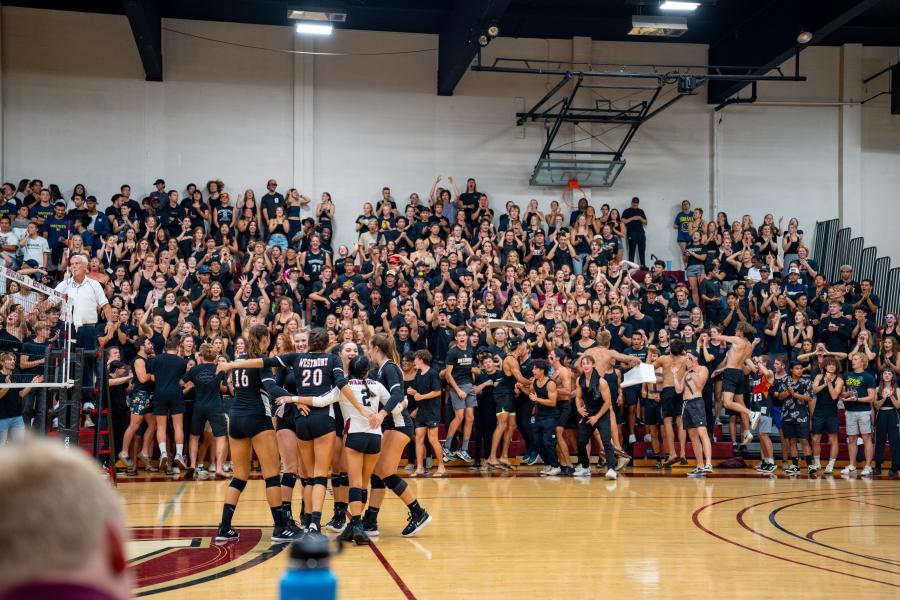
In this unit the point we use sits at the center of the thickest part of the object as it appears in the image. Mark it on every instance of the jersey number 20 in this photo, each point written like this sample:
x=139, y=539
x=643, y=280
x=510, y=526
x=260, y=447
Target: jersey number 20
x=312, y=377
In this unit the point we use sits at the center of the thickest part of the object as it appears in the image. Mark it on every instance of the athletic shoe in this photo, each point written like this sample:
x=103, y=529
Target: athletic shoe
x=201, y=475
x=682, y=461
x=370, y=525
x=611, y=474
x=293, y=526
x=449, y=455
x=180, y=462
x=409, y=468
x=127, y=461
x=754, y=420
x=346, y=534
x=848, y=470
x=792, y=470
x=622, y=462
x=668, y=464
x=567, y=471
x=707, y=469
x=338, y=522
x=416, y=523
x=762, y=467
x=463, y=455
x=658, y=465
x=747, y=437
x=582, y=471
x=812, y=468
x=551, y=472
x=165, y=464
x=227, y=534
x=697, y=472
x=647, y=438
x=631, y=438
x=429, y=462
x=532, y=458
x=829, y=468
x=866, y=472
x=87, y=408
x=771, y=468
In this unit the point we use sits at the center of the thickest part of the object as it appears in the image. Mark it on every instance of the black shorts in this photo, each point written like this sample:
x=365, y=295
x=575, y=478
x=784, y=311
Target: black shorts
x=314, y=425
x=243, y=426
x=287, y=421
x=504, y=404
x=733, y=381
x=406, y=430
x=339, y=421
x=364, y=443
x=632, y=395
x=825, y=424
x=795, y=431
x=693, y=413
x=652, y=412
x=429, y=413
x=216, y=419
x=670, y=403
x=565, y=413
x=168, y=405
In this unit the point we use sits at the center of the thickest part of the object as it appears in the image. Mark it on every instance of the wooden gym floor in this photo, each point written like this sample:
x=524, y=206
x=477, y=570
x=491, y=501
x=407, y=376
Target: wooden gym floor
x=733, y=535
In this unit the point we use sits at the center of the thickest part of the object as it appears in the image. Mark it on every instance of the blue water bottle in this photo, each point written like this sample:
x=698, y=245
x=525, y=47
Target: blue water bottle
x=308, y=576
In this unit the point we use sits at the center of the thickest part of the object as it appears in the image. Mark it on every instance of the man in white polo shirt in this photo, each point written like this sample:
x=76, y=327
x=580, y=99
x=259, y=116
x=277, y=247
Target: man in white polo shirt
x=87, y=298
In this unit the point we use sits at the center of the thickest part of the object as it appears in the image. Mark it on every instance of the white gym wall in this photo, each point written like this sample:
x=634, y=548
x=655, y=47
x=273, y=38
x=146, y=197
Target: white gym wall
x=76, y=108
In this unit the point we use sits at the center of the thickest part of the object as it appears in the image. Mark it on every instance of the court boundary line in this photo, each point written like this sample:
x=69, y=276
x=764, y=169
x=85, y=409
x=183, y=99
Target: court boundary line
x=391, y=571
x=171, y=505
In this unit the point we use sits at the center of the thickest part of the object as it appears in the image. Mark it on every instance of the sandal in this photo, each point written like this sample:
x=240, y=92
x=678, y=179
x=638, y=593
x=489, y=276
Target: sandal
x=506, y=465
x=439, y=474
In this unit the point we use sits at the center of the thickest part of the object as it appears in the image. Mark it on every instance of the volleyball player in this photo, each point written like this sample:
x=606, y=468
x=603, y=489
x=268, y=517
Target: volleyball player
x=285, y=431
x=207, y=408
x=250, y=428
x=565, y=393
x=363, y=443
x=827, y=386
x=318, y=373
x=689, y=383
x=398, y=431
x=505, y=402
x=733, y=376
x=426, y=390
x=594, y=403
x=340, y=480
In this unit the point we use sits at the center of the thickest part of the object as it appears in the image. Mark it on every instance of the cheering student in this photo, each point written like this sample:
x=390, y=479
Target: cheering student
x=594, y=403
x=168, y=399
x=505, y=402
x=795, y=418
x=858, y=396
x=887, y=421
x=827, y=386
x=426, y=390
x=460, y=362
x=733, y=376
x=207, y=408
x=690, y=386
x=545, y=414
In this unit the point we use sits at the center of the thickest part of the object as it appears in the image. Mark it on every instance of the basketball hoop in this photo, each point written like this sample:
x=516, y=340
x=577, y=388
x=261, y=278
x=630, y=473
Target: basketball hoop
x=573, y=194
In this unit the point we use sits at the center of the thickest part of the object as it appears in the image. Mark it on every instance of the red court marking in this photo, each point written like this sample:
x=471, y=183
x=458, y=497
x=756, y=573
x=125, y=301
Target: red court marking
x=696, y=520
x=394, y=575
x=742, y=523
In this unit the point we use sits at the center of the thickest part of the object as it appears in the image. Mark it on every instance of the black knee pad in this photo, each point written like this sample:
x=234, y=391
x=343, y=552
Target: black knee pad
x=355, y=495
x=305, y=481
x=345, y=480
x=335, y=481
x=288, y=480
x=395, y=484
x=365, y=495
x=273, y=481
x=238, y=484
x=377, y=483
x=323, y=481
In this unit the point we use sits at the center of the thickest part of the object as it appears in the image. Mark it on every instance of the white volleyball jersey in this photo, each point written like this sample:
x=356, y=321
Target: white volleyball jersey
x=372, y=395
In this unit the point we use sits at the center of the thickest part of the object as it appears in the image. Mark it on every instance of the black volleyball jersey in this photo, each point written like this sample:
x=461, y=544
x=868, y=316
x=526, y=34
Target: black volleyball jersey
x=391, y=377
x=315, y=373
x=249, y=396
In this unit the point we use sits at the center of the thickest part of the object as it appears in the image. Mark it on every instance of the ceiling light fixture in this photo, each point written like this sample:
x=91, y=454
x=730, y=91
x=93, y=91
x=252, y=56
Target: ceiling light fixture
x=493, y=30
x=804, y=37
x=315, y=28
x=335, y=16
x=658, y=26
x=685, y=6
x=483, y=40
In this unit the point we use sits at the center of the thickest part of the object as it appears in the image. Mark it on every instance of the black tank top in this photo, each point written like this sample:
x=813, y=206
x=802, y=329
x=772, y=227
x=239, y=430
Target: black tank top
x=249, y=395
x=506, y=387
x=541, y=392
x=590, y=392
x=314, y=262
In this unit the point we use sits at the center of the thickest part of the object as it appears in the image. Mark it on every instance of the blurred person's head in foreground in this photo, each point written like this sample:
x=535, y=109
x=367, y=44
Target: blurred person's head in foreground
x=63, y=531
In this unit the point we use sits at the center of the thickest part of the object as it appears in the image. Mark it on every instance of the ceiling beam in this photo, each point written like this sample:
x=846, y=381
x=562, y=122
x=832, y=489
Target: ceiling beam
x=146, y=25
x=768, y=38
x=458, y=39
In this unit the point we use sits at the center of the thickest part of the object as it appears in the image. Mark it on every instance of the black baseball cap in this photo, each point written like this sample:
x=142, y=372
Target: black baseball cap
x=159, y=181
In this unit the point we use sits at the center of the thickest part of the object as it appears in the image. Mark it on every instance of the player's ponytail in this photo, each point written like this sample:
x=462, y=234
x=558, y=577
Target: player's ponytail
x=386, y=344
x=257, y=341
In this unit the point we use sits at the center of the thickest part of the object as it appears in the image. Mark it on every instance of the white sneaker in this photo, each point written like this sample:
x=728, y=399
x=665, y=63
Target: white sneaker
x=88, y=422
x=859, y=441
x=582, y=472
x=829, y=468
x=611, y=474
x=866, y=472
x=754, y=420
x=748, y=437
x=647, y=438
x=87, y=407
x=631, y=438
x=552, y=471
x=622, y=462
x=544, y=471
x=847, y=470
